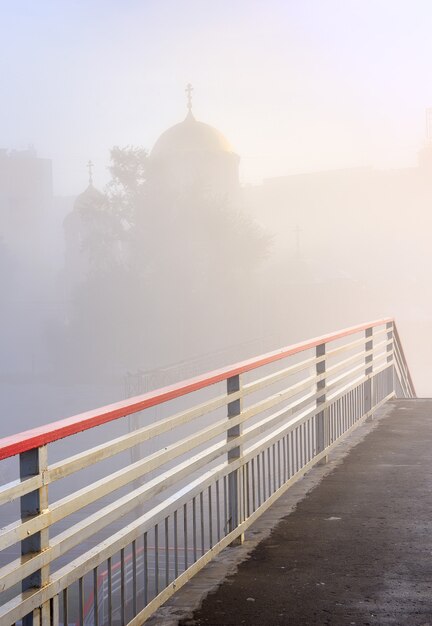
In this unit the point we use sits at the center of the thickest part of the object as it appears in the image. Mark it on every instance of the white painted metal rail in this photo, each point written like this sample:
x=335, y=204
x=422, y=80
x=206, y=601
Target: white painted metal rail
x=94, y=538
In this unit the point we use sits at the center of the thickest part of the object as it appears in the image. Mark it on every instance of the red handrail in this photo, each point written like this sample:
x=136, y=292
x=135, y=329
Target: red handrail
x=42, y=435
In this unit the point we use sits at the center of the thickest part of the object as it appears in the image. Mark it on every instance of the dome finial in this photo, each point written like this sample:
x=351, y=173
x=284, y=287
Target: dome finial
x=90, y=171
x=189, y=90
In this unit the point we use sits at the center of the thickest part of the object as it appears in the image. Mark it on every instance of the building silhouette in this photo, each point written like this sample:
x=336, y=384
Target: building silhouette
x=26, y=198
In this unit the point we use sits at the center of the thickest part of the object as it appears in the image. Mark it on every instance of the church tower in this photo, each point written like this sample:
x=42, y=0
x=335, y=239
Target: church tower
x=194, y=154
x=78, y=225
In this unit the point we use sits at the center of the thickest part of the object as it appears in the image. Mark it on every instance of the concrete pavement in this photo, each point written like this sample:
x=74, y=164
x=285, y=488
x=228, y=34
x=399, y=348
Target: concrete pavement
x=356, y=551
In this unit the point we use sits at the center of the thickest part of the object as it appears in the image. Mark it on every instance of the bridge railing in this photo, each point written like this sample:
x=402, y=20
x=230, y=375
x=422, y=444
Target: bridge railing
x=127, y=534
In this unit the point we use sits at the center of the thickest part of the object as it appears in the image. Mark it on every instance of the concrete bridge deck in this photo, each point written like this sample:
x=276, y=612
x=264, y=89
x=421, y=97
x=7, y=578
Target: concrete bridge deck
x=356, y=551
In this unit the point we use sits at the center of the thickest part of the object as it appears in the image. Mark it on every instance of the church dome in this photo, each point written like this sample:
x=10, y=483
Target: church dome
x=190, y=136
x=193, y=155
x=90, y=198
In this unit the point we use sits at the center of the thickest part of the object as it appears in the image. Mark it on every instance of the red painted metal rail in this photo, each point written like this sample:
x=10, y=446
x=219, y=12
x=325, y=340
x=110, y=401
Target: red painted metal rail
x=42, y=435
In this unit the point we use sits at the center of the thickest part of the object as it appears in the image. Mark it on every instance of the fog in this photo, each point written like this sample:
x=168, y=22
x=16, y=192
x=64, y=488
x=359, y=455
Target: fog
x=151, y=230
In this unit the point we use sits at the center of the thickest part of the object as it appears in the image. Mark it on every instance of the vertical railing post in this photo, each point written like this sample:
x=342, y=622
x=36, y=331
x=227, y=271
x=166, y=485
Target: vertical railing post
x=368, y=389
x=32, y=463
x=234, y=478
x=390, y=355
x=321, y=421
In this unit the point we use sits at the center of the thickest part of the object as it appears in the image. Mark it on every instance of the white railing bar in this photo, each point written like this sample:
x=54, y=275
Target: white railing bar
x=120, y=444
x=335, y=382
x=251, y=431
x=359, y=355
x=275, y=377
x=298, y=420
x=349, y=346
x=359, y=380
x=17, y=488
x=291, y=411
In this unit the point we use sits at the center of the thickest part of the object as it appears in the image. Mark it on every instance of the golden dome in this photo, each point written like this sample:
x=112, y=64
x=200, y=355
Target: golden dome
x=190, y=136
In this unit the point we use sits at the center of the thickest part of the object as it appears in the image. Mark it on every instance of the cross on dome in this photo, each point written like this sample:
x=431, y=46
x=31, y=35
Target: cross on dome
x=190, y=136
x=90, y=171
x=189, y=90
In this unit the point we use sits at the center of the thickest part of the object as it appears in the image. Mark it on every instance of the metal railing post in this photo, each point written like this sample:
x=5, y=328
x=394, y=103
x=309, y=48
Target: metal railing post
x=234, y=478
x=32, y=463
x=390, y=356
x=368, y=390
x=321, y=418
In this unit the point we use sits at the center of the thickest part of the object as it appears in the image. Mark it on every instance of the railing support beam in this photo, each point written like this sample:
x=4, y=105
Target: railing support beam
x=322, y=434
x=390, y=354
x=235, y=513
x=368, y=386
x=32, y=463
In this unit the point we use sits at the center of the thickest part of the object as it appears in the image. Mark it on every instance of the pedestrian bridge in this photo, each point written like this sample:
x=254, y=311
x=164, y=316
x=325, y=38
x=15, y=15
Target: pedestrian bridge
x=113, y=511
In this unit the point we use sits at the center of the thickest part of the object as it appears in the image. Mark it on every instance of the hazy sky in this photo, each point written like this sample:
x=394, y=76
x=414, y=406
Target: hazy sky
x=294, y=84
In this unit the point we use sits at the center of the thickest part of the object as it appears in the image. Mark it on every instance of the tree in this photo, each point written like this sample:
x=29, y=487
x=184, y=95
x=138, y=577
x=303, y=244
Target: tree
x=170, y=272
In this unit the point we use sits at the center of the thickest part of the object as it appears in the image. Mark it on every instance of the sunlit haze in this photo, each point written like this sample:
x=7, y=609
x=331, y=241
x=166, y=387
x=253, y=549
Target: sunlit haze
x=295, y=86
x=215, y=281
